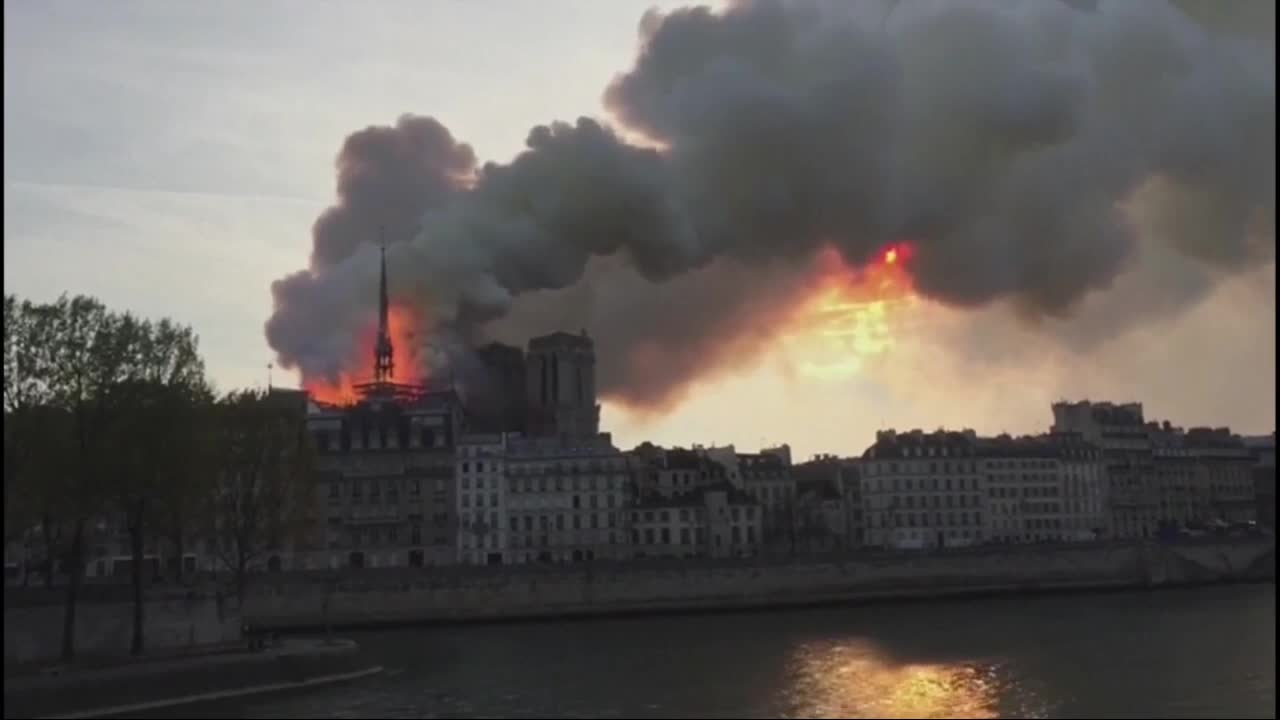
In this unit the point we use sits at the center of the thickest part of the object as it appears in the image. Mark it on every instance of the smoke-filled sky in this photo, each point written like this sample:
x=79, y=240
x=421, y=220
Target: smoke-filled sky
x=1084, y=194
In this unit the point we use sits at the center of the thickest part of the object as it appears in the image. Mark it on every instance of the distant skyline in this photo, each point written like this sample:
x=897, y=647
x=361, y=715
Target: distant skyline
x=170, y=158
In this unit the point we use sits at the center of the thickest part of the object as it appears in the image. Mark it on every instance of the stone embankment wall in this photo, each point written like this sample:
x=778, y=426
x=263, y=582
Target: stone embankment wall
x=126, y=689
x=104, y=625
x=371, y=597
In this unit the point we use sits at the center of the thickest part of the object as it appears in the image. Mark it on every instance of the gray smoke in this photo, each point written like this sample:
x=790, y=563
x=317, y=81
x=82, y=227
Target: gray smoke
x=1021, y=147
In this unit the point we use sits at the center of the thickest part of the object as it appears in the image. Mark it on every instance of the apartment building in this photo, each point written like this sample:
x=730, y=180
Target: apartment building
x=566, y=499
x=923, y=490
x=385, y=481
x=1224, y=465
x=711, y=521
x=1263, y=450
x=1121, y=433
x=1042, y=489
x=823, y=523
x=675, y=471
x=766, y=477
x=480, y=469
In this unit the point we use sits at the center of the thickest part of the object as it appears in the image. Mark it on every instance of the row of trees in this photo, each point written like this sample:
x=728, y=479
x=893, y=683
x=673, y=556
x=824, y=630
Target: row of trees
x=110, y=424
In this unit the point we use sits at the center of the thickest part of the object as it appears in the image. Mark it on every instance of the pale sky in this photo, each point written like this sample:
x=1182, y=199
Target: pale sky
x=170, y=159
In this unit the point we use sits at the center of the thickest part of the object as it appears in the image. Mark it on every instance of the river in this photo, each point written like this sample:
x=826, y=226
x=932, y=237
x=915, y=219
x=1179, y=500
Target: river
x=1202, y=652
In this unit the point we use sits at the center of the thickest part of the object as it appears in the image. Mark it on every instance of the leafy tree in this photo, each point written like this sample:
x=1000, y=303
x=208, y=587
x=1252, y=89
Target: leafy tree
x=84, y=356
x=154, y=409
x=30, y=440
x=264, y=494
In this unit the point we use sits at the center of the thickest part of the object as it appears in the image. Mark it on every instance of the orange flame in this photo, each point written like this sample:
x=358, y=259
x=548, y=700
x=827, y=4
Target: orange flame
x=403, y=323
x=851, y=316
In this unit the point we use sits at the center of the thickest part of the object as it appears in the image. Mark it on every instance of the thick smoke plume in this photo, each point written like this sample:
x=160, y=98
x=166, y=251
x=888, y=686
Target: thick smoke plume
x=1022, y=148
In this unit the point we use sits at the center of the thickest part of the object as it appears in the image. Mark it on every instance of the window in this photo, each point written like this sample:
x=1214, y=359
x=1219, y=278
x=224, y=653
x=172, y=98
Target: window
x=415, y=487
x=666, y=536
x=466, y=467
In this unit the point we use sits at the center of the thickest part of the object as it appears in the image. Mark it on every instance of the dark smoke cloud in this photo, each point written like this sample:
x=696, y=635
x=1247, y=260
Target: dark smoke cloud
x=1021, y=147
x=655, y=340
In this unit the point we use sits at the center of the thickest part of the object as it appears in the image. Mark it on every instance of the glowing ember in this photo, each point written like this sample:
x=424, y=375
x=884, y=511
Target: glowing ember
x=402, y=322
x=850, y=317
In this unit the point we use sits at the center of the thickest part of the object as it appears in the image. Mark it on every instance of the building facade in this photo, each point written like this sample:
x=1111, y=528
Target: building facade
x=566, y=500
x=1263, y=450
x=1121, y=433
x=385, y=482
x=923, y=490
x=1049, y=488
x=822, y=517
x=711, y=521
x=561, y=383
x=480, y=469
x=497, y=394
x=766, y=477
x=1225, y=466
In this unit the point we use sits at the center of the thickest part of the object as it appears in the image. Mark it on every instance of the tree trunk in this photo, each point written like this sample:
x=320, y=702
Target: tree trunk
x=139, y=605
x=75, y=572
x=179, y=542
x=328, y=624
x=47, y=531
x=242, y=569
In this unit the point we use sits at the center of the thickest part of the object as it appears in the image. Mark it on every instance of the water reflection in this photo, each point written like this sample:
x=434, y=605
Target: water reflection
x=854, y=678
x=1123, y=655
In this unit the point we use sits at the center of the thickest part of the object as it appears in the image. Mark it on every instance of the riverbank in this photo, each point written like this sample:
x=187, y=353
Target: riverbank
x=153, y=684
x=377, y=598
x=1190, y=652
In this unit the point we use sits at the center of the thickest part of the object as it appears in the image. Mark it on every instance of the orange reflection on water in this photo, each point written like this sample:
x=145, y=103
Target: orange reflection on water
x=850, y=680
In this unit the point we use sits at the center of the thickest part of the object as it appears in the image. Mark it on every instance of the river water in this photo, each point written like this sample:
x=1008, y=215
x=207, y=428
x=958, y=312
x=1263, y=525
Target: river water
x=1204, y=652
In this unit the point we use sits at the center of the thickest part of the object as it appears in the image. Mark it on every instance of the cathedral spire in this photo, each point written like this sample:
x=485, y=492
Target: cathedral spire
x=383, y=361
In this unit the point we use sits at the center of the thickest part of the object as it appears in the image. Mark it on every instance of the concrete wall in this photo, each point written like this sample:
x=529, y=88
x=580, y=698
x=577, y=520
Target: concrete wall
x=33, y=631
x=505, y=593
